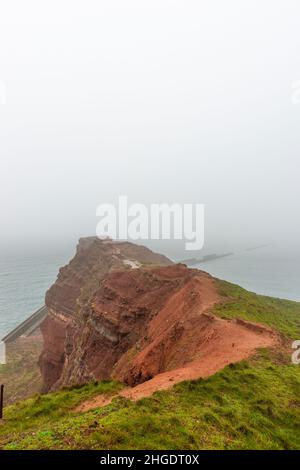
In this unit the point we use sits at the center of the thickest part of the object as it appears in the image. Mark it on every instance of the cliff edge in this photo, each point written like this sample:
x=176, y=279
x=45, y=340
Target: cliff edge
x=118, y=310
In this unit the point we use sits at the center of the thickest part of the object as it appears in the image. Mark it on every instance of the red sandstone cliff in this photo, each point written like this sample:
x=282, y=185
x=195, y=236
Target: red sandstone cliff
x=91, y=322
x=119, y=310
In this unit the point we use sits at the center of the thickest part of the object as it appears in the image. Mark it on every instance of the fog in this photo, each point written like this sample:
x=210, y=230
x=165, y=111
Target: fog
x=162, y=101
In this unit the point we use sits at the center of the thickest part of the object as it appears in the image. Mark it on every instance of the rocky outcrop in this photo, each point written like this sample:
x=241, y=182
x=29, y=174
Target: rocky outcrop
x=120, y=311
x=90, y=323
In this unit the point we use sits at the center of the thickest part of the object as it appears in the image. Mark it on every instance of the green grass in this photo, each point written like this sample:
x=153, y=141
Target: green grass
x=282, y=315
x=250, y=405
x=41, y=410
x=254, y=404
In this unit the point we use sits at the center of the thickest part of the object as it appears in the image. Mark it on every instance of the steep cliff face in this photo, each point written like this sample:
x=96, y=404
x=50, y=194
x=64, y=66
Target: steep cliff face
x=84, y=333
x=119, y=310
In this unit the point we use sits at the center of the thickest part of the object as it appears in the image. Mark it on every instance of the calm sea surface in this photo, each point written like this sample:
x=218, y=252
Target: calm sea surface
x=262, y=272
x=25, y=279
x=23, y=283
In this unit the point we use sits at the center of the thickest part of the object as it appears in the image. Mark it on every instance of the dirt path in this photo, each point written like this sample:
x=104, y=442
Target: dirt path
x=224, y=343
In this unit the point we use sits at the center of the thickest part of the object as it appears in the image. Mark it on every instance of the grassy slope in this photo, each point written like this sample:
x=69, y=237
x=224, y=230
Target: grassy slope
x=253, y=404
x=282, y=315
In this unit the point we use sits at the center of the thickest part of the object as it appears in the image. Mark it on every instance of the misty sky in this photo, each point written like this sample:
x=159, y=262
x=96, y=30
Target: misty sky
x=163, y=101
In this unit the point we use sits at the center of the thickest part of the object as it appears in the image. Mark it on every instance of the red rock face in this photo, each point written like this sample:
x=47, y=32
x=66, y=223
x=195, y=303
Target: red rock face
x=94, y=314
